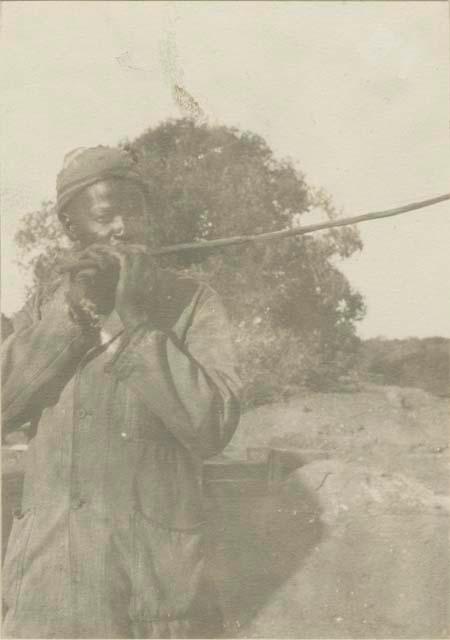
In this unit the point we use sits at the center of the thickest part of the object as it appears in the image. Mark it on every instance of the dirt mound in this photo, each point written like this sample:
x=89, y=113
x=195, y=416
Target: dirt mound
x=373, y=503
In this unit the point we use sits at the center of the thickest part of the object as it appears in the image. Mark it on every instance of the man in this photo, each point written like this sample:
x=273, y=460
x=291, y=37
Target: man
x=127, y=374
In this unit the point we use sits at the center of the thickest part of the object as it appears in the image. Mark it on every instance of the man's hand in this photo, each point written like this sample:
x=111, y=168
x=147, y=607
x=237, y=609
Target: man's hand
x=137, y=281
x=92, y=289
x=121, y=277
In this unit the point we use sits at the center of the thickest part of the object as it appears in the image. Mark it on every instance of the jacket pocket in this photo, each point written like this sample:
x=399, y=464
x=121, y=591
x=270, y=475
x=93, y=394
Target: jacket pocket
x=168, y=487
x=168, y=567
x=14, y=565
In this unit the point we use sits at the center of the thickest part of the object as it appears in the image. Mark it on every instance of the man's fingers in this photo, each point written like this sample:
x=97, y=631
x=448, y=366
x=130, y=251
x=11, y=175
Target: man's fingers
x=84, y=275
x=131, y=249
x=104, y=257
x=80, y=265
x=99, y=251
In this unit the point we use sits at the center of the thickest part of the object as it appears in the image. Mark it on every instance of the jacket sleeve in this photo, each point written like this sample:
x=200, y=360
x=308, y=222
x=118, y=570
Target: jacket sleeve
x=193, y=388
x=37, y=359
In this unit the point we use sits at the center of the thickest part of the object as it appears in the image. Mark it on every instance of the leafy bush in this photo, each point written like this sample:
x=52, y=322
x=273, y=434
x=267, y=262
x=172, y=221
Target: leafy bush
x=413, y=362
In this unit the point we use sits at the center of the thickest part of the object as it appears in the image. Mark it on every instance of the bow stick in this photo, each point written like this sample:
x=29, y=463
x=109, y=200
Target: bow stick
x=207, y=245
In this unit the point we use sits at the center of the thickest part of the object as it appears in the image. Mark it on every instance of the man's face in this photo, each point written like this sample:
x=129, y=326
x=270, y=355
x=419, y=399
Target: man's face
x=110, y=212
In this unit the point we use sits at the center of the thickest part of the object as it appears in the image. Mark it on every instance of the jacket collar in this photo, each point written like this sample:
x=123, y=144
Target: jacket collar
x=112, y=328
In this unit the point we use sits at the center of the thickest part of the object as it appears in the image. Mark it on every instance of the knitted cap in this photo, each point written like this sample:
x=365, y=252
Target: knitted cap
x=84, y=166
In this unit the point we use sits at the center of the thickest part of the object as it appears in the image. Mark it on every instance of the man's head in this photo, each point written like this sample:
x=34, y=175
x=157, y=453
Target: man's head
x=102, y=197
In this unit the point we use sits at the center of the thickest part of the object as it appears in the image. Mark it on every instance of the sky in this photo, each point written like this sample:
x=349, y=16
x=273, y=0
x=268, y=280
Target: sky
x=356, y=93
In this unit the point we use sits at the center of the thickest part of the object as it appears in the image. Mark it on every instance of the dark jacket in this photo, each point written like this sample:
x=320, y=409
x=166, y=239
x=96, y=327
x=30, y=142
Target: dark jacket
x=114, y=468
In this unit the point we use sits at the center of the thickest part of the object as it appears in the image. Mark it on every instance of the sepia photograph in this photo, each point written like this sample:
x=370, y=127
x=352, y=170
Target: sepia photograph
x=225, y=232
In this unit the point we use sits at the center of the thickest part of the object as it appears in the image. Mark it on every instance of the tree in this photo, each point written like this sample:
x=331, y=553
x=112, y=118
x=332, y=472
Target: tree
x=41, y=242
x=207, y=182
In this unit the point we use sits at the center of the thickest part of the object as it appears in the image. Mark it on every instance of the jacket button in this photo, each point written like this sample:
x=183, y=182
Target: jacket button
x=124, y=435
x=77, y=503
